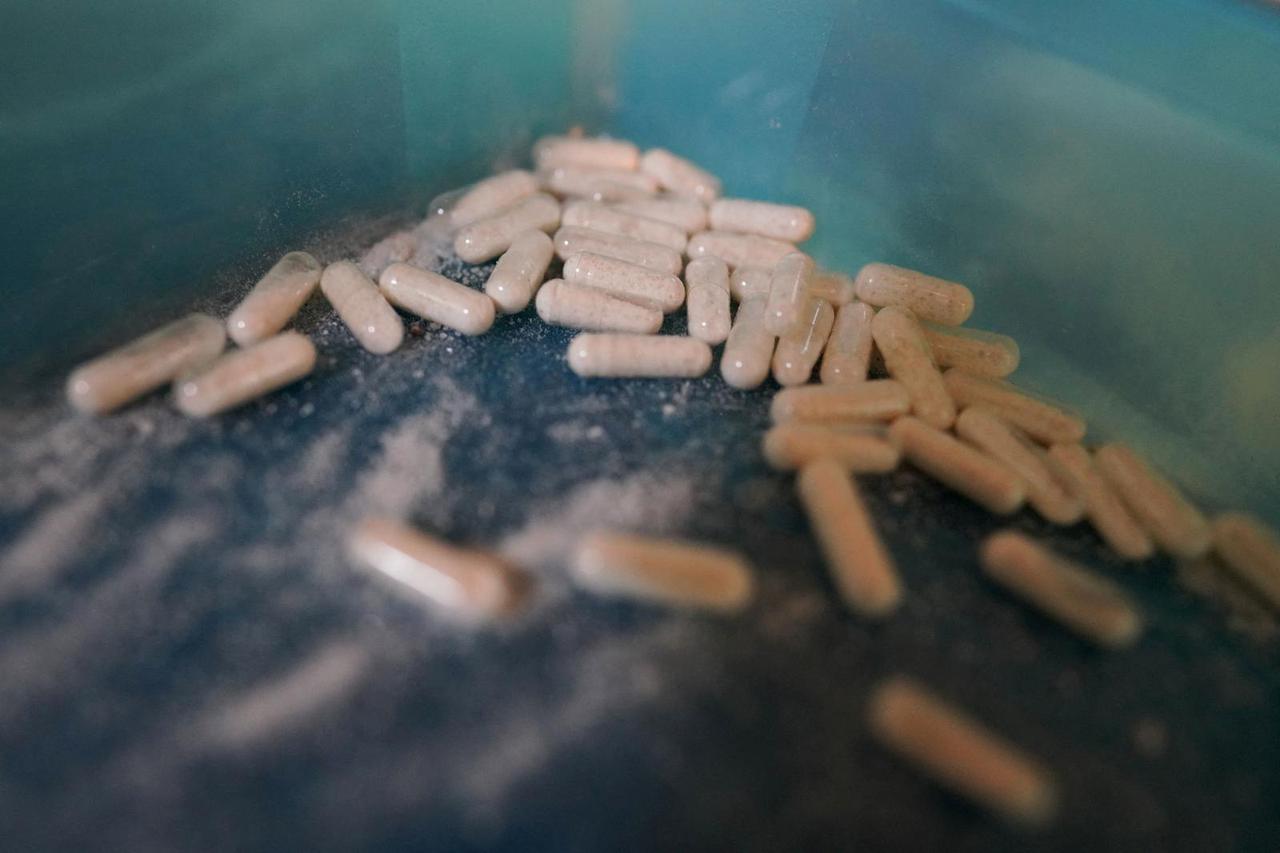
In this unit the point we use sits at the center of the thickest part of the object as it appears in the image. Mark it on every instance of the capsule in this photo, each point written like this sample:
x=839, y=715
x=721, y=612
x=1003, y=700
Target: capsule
x=789, y=446
x=396, y=248
x=471, y=585
x=750, y=283
x=789, y=293
x=779, y=221
x=246, y=374
x=1046, y=422
x=686, y=214
x=623, y=355
x=1251, y=551
x=907, y=359
x=1071, y=464
x=599, y=152
x=492, y=196
x=600, y=184
x=799, y=350
x=928, y=298
x=983, y=480
x=835, y=287
x=738, y=250
x=707, y=283
x=628, y=281
x=875, y=400
x=108, y=382
x=578, y=306
x=1177, y=527
x=992, y=436
x=848, y=354
x=972, y=350
x=959, y=754
x=599, y=217
x=860, y=567
x=362, y=307
x=677, y=175
x=434, y=297
x=665, y=571
x=273, y=301
x=573, y=241
x=748, y=351
x=519, y=272
x=487, y=238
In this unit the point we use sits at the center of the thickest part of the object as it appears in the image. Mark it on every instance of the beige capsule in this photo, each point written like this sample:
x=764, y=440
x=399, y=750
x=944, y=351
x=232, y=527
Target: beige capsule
x=997, y=439
x=1177, y=527
x=799, y=350
x=626, y=280
x=974, y=351
x=960, y=754
x=707, y=299
x=246, y=374
x=750, y=283
x=684, y=213
x=1251, y=551
x=907, y=359
x=1092, y=606
x=434, y=297
x=848, y=354
x=1071, y=464
x=600, y=217
x=981, y=479
x=789, y=293
x=492, y=196
x=779, y=221
x=396, y=248
x=274, y=299
x=789, y=446
x=929, y=298
x=578, y=306
x=487, y=238
x=600, y=184
x=519, y=271
x=1046, y=422
x=625, y=355
x=875, y=400
x=860, y=567
x=665, y=571
x=599, y=152
x=362, y=307
x=835, y=287
x=679, y=176
x=472, y=585
x=738, y=250
x=749, y=349
x=573, y=241
x=108, y=382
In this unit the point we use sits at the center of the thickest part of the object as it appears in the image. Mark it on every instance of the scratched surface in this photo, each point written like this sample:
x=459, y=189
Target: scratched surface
x=188, y=660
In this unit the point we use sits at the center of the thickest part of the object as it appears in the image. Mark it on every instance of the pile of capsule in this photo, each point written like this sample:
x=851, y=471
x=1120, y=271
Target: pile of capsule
x=622, y=224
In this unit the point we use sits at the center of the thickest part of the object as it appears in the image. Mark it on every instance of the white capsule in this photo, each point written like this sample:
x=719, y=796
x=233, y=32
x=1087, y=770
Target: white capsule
x=274, y=299
x=974, y=351
x=788, y=293
x=434, y=297
x=572, y=241
x=472, y=585
x=861, y=449
x=600, y=217
x=749, y=348
x=600, y=184
x=686, y=214
x=1046, y=422
x=987, y=432
x=622, y=355
x=750, y=283
x=799, y=350
x=1074, y=468
x=835, y=287
x=108, y=382
x=707, y=281
x=738, y=250
x=247, y=374
x=599, y=152
x=848, y=354
x=362, y=307
x=779, y=221
x=907, y=359
x=1176, y=526
x=628, y=281
x=1251, y=551
x=876, y=400
x=929, y=298
x=492, y=196
x=487, y=238
x=953, y=463
x=519, y=272
x=579, y=306
x=663, y=570
x=679, y=176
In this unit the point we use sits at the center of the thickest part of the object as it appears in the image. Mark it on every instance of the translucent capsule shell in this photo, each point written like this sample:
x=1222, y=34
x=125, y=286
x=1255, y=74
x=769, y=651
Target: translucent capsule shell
x=680, y=176
x=799, y=350
x=275, y=299
x=434, y=297
x=487, y=238
x=835, y=287
x=578, y=306
x=789, y=293
x=623, y=355
x=246, y=374
x=362, y=307
x=572, y=241
x=928, y=298
x=750, y=283
x=519, y=272
x=749, y=349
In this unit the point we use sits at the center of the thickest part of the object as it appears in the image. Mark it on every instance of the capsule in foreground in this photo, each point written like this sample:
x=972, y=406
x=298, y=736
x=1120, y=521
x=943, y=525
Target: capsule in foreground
x=578, y=306
x=928, y=298
x=362, y=307
x=789, y=293
x=907, y=359
x=625, y=280
x=707, y=299
x=779, y=221
x=434, y=297
x=974, y=351
x=799, y=350
x=686, y=214
x=847, y=356
x=600, y=217
x=274, y=300
x=487, y=238
x=679, y=176
x=623, y=355
x=246, y=374
x=574, y=241
x=519, y=272
x=739, y=250
x=666, y=571
x=492, y=196
x=749, y=349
